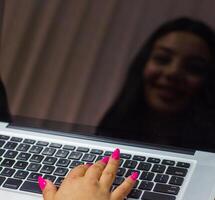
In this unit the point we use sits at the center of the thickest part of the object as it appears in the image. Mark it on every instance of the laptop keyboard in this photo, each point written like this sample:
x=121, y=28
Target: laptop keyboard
x=23, y=160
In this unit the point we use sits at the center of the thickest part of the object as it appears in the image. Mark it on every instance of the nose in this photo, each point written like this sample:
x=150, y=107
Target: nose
x=174, y=71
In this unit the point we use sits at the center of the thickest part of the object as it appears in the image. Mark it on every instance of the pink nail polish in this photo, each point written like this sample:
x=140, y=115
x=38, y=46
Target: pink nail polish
x=41, y=182
x=116, y=154
x=89, y=164
x=134, y=176
x=105, y=159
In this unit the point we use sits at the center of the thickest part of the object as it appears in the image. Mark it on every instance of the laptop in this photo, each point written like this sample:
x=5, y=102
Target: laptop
x=32, y=146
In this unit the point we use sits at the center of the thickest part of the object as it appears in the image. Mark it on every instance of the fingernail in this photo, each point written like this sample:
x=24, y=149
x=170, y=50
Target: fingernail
x=134, y=176
x=105, y=159
x=116, y=154
x=41, y=182
x=89, y=164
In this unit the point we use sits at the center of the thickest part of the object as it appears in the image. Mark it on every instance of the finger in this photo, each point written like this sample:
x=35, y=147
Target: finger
x=78, y=171
x=109, y=173
x=124, y=189
x=48, y=188
x=95, y=171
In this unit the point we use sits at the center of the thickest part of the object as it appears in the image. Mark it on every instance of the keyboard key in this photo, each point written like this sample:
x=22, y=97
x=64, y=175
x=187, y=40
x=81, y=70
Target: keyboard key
x=4, y=137
x=146, y=185
x=34, y=167
x=7, y=172
x=21, y=174
x=135, y=194
x=121, y=171
x=12, y=183
x=61, y=171
x=23, y=156
x=36, y=158
x=83, y=149
x=161, y=178
x=69, y=147
x=2, y=179
x=75, y=163
x=153, y=160
x=55, y=145
x=88, y=157
x=47, y=169
x=42, y=143
x=158, y=168
x=108, y=153
x=63, y=162
x=176, y=171
x=183, y=164
x=156, y=196
x=50, y=177
x=10, y=145
x=62, y=153
x=10, y=154
x=48, y=151
x=125, y=155
x=2, y=142
x=16, y=139
x=139, y=158
x=75, y=155
x=31, y=187
x=169, y=189
x=35, y=149
x=7, y=163
x=29, y=141
x=49, y=161
x=97, y=151
x=168, y=162
x=2, y=151
x=34, y=176
x=175, y=180
x=23, y=147
x=20, y=165
x=144, y=166
x=147, y=176
x=131, y=164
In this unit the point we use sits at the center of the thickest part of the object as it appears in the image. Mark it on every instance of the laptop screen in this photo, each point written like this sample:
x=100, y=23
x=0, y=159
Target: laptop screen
x=131, y=71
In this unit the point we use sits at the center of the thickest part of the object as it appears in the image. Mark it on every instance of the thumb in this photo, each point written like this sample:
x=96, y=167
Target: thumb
x=48, y=188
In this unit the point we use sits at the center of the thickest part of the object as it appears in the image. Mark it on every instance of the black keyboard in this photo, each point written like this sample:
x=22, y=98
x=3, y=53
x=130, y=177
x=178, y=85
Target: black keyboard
x=22, y=160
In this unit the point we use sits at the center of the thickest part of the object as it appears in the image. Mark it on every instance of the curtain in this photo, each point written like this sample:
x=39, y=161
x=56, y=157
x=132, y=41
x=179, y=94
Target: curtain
x=66, y=60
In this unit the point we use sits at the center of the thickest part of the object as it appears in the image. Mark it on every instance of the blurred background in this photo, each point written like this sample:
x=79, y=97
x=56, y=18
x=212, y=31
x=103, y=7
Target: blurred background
x=66, y=60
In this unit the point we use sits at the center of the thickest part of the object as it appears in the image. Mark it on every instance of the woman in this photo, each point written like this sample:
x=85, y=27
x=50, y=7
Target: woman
x=169, y=89
x=170, y=86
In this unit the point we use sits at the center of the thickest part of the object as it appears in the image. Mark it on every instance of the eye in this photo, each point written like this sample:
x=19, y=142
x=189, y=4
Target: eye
x=161, y=59
x=196, y=68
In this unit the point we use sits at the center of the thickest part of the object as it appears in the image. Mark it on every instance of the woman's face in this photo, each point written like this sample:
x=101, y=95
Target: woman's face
x=175, y=71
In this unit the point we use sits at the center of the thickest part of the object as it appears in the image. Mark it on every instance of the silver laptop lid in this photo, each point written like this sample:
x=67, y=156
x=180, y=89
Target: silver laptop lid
x=111, y=70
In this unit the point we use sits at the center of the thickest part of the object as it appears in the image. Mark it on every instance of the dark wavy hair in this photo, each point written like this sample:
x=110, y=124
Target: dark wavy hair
x=129, y=106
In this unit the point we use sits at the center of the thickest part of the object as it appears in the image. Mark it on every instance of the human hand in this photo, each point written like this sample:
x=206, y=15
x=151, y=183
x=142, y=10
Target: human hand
x=93, y=182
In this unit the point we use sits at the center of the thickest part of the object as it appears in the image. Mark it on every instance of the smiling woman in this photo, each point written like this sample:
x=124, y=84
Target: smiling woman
x=168, y=95
x=174, y=72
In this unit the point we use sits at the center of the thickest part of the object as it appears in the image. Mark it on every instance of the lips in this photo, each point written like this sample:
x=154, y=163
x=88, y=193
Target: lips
x=168, y=92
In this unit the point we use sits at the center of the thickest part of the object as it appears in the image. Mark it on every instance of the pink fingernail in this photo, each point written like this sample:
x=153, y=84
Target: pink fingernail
x=89, y=164
x=41, y=182
x=134, y=176
x=105, y=159
x=116, y=154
